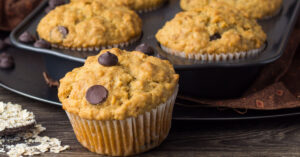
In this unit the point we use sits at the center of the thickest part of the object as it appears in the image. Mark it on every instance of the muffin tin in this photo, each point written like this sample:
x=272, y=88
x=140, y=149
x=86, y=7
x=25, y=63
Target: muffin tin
x=198, y=79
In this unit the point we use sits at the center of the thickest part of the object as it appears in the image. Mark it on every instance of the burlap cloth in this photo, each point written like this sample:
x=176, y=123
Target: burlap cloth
x=277, y=87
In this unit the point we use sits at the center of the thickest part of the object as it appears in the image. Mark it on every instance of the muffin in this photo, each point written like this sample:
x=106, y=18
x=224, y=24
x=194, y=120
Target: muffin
x=90, y=26
x=216, y=32
x=137, y=5
x=120, y=103
x=257, y=9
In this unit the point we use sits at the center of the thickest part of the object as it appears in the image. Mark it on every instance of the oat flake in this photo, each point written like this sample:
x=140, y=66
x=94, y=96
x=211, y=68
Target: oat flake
x=27, y=143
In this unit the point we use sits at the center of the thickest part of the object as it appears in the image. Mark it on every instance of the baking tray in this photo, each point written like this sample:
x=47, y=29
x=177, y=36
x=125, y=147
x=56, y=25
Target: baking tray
x=197, y=79
x=26, y=79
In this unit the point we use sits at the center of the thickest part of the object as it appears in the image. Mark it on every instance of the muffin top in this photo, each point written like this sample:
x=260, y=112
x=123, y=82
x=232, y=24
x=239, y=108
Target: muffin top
x=138, y=5
x=251, y=8
x=89, y=24
x=129, y=84
x=217, y=28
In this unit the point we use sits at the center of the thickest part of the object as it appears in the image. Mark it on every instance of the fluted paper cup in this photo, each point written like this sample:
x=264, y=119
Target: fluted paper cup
x=126, y=137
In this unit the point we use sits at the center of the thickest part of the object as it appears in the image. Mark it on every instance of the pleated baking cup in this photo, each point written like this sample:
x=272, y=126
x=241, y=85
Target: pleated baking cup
x=152, y=8
x=216, y=57
x=126, y=137
x=98, y=48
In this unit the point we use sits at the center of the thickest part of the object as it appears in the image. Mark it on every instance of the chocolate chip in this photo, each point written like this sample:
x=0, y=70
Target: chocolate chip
x=55, y=3
x=108, y=59
x=26, y=37
x=63, y=30
x=42, y=44
x=145, y=48
x=2, y=44
x=6, y=61
x=96, y=94
x=215, y=37
x=7, y=41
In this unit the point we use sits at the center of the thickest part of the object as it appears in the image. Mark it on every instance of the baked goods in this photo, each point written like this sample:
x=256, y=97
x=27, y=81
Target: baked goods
x=89, y=25
x=120, y=103
x=214, y=33
x=137, y=5
x=251, y=8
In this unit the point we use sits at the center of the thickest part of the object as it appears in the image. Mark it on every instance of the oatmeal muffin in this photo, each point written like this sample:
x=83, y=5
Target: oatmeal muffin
x=90, y=25
x=216, y=32
x=252, y=8
x=137, y=5
x=120, y=103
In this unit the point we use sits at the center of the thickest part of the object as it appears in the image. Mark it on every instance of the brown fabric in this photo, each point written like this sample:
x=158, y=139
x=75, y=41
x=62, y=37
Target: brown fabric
x=277, y=87
x=12, y=12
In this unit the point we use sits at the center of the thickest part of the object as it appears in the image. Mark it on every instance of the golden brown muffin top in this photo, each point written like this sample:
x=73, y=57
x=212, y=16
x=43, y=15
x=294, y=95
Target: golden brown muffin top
x=251, y=8
x=217, y=28
x=138, y=5
x=135, y=85
x=89, y=24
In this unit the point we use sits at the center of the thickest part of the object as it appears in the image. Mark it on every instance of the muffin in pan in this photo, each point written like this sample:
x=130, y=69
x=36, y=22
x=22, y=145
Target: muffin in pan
x=216, y=32
x=90, y=25
x=120, y=103
x=258, y=9
x=137, y=5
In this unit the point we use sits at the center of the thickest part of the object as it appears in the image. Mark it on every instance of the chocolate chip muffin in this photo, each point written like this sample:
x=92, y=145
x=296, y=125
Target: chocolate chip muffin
x=120, y=103
x=137, y=5
x=257, y=9
x=88, y=25
x=214, y=33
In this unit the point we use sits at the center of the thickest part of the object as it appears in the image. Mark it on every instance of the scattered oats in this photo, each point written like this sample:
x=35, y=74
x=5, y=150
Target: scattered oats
x=28, y=142
x=13, y=116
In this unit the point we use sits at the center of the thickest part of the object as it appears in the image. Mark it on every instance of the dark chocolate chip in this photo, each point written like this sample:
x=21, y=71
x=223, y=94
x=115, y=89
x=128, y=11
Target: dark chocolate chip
x=42, y=44
x=161, y=57
x=145, y=48
x=55, y=3
x=26, y=37
x=63, y=30
x=96, y=94
x=6, y=61
x=108, y=59
x=2, y=44
x=215, y=37
x=7, y=41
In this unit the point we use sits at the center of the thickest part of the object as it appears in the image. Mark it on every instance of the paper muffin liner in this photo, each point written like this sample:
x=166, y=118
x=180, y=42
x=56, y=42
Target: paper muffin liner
x=216, y=57
x=152, y=8
x=126, y=137
x=98, y=48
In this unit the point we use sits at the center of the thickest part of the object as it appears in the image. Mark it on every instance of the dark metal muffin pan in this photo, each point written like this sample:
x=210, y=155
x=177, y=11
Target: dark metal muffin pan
x=26, y=79
x=197, y=79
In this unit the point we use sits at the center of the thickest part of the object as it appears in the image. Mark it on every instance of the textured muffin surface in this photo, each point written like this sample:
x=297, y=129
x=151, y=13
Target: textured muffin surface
x=138, y=5
x=214, y=29
x=251, y=8
x=89, y=24
x=138, y=83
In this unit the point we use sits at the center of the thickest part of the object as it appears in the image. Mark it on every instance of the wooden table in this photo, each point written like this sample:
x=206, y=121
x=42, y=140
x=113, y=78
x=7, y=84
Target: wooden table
x=273, y=137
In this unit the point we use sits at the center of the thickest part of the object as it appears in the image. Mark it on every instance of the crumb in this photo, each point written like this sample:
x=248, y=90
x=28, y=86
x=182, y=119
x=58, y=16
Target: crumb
x=49, y=81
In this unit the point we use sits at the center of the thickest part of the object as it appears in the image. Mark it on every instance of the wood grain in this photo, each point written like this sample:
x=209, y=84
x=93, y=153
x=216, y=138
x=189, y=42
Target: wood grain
x=273, y=137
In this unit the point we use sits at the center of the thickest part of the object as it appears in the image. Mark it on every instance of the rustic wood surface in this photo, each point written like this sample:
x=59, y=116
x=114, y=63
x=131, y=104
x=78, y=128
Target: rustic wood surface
x=273, y=137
